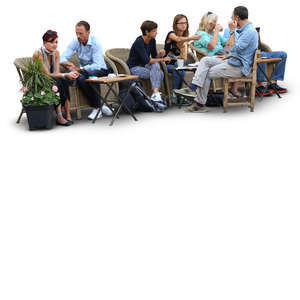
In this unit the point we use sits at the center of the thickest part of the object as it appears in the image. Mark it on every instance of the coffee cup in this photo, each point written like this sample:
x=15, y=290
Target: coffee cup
x=180, y=62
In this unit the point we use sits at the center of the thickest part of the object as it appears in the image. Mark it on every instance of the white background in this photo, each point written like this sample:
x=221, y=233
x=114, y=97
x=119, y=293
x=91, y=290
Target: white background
x=174, y=206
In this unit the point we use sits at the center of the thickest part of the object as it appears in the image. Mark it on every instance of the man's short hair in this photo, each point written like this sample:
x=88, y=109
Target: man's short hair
x=148, y=26
x=85, y=24
x=241, y=12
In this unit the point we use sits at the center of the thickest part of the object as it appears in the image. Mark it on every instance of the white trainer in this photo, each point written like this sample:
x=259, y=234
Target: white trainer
x=106, y=110
x=92, y=115
x=156, y=97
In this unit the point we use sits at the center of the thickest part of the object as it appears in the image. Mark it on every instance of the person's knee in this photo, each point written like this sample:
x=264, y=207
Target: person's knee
x=206, y=59
x=283, y=55
x=182, y=73
x=155, y=66
x=81, y=80
x=161, y=74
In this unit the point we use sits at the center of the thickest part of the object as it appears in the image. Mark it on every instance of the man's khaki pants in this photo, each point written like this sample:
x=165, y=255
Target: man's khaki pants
x=211, y=68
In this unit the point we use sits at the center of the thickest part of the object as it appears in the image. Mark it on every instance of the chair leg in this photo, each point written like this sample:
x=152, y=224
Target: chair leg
x=78, y=111
x=78, y=114
x=225, y=100
x=22, y=111
x=252, y=96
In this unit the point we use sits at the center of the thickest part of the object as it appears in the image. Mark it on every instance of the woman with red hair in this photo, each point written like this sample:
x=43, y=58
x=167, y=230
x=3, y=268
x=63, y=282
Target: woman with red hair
x=48, y=55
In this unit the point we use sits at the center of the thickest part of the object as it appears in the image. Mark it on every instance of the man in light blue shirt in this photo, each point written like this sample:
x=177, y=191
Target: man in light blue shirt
x=237, y=64
x=91, y=59
x=226, y=34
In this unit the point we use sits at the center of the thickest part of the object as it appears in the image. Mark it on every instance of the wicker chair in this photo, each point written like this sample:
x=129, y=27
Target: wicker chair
x=78, y=100
x=197, y=52
x=242, y=101
x=20, y=64
x=119, y=56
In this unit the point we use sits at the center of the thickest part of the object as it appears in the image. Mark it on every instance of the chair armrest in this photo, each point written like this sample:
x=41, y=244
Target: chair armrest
x=119, y=63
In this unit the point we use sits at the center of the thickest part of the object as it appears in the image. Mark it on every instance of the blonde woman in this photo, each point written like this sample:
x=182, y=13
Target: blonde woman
x=175, y=46
x=211, y=41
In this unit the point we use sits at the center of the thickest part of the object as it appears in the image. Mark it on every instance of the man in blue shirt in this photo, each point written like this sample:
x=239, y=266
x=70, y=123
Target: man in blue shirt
x=237, y=64
x=91, y=59
x=279, y=69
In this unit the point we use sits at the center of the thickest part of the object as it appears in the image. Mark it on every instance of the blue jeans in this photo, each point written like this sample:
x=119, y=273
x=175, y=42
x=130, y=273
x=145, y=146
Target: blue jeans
x=278, y=73
x=177, y=81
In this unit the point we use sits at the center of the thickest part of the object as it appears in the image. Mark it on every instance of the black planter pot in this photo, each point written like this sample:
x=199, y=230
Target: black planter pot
x=39, y=117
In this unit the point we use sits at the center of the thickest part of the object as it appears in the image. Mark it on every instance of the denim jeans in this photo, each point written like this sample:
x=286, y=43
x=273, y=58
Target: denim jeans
x=278, y=73
x=177, y=81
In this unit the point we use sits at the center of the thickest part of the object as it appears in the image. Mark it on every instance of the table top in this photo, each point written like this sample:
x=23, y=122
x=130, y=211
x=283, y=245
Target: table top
x=266, y=60
x=186, y=68
x=112, y=79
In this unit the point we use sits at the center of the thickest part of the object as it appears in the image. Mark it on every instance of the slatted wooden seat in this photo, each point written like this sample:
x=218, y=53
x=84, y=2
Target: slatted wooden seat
x=247, y=100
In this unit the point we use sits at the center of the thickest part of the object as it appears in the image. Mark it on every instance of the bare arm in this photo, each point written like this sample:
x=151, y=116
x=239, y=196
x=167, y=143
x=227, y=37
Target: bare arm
x=182, y=39
x=213, y=42
x=232, y=26
x=71, y=75
x=183, y=51
x=154, y=60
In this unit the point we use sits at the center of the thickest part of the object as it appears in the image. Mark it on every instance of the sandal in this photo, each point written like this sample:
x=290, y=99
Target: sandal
x=232, y=94
x=68, y=123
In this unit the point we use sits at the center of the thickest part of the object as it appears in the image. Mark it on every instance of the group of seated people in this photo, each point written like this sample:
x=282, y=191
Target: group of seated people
x=230, y=55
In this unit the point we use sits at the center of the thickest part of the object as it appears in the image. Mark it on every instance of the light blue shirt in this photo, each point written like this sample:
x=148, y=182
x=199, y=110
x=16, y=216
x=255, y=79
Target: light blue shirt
x=242, y=52
x=90, y=55
x=202, y=44
x=226, y=34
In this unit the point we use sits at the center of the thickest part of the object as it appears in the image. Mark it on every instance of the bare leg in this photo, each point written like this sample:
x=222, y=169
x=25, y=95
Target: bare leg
x=59, y=117
x=235, y=86
x=67, y=110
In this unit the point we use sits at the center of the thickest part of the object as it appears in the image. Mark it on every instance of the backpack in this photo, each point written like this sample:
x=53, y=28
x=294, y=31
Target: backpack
x=138, y=100
x=215, y=99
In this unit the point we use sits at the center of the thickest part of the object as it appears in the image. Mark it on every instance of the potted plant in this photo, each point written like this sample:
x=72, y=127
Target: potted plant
x=39, y=95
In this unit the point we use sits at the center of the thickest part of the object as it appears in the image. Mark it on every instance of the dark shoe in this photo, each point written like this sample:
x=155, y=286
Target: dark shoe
x=196, y=108
x=262, y=91
x=68, y=123
x=186, y=92
x=275, y=87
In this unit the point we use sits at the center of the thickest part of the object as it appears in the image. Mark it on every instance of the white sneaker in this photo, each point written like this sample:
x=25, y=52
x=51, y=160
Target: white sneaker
x=106, y=110
x=156, y=97
x=92, y=115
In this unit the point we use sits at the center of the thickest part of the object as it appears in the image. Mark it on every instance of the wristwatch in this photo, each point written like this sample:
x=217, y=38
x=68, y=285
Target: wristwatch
x=231, y=32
